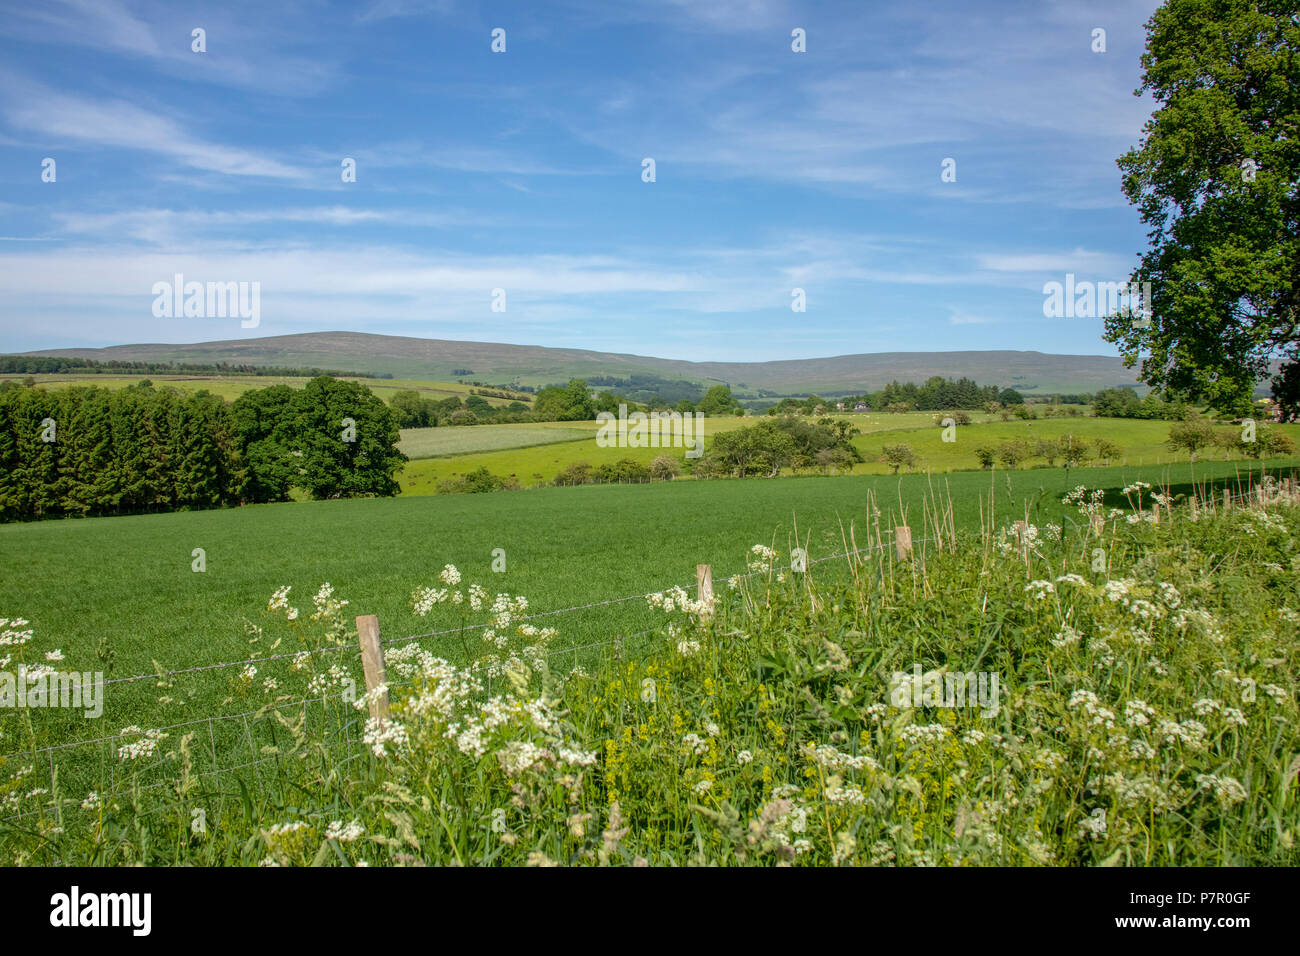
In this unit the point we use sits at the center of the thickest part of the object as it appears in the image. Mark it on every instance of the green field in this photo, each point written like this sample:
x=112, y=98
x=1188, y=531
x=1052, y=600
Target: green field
x=419, y=443
x=125, y=587
x=231, y=387
x=1143, y=441
x=537, y=456
x=533, y=463
x=127, y=581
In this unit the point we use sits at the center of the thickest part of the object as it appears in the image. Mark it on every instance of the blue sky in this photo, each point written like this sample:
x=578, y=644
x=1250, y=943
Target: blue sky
x=522, y=170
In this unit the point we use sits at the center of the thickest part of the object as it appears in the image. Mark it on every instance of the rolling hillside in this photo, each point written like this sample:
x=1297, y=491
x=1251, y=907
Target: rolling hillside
x=440, y=359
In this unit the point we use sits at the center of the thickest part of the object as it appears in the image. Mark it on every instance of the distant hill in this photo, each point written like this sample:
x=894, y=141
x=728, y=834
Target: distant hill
x=445, y=360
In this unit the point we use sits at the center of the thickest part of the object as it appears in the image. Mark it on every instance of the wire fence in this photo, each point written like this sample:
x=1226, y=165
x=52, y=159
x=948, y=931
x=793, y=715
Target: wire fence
x=347, y=741
x=209, y=719
x=1250, y=496
x=1253, y=495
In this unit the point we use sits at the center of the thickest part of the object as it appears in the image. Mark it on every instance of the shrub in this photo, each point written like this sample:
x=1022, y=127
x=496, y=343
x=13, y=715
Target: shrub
x=578, y=473
x=665, y=468
x=1107, y=450
x=1073, y=449
x=623, y=470
x=1011, y=453
x=477, y=481
x=898, y=456
x=1047, y=448
x=1193, y=434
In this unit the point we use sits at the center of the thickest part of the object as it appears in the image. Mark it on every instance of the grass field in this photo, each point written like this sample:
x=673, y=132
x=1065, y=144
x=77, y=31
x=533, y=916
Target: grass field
x=420, y=443
x=535, y=463
x=231, y=387
x=786, y=693
x=127, y=584
x=1143, y=441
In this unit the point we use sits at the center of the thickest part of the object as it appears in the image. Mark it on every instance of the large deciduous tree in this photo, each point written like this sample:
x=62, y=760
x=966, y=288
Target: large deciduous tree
x=1215, y=180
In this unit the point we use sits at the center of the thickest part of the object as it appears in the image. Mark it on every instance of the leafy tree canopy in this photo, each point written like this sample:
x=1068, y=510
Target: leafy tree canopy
x=1214, y=178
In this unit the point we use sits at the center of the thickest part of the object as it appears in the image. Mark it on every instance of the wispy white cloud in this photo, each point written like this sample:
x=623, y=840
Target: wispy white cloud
x=962, y=318
x=64, y=117
x=1076, y=260
x=389, y=9
x=184, y=226
x=242, y=44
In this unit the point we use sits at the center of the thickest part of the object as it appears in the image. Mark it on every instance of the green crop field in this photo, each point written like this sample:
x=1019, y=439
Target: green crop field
x=231, y=387
x=125, y=585
x=121, y=596
x=1143, y=443
x=421, y=443
x=538, y=461
x=467, y=439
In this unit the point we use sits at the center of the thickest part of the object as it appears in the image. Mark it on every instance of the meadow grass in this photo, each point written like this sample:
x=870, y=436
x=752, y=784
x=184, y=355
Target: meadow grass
x=231, y=387
x=538, y=462
x=418, y=443
x=125, y=585
x=1148, y=699
x=1143, y=443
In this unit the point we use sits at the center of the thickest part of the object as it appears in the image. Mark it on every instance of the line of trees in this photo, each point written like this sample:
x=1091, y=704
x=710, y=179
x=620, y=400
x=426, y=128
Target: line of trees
x=1194, y=435
x=623, y=471
x=93, y=451
x=414, y=410
x=1124, y=403
x=941, y=393
x=553, y=403
x=769, y=445
x=1071, y=450
x=937, y=393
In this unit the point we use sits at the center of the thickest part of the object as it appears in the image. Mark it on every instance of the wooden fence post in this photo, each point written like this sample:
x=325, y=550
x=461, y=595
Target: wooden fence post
x=372, y=662
x=704, y=583
x=1227, y=500
x=903, y=542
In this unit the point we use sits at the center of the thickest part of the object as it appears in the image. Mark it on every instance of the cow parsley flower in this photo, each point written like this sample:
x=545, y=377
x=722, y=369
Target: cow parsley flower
x=1040, y=589
x=348, y=833
x=145, y=746
x=1094, y=825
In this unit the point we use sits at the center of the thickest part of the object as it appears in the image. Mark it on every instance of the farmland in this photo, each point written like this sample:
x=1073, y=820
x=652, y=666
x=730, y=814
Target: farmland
x=474, y=439
x=537, y=462
x=755, y=686
x=231, y=387
x=172, y=609
x=127, y=585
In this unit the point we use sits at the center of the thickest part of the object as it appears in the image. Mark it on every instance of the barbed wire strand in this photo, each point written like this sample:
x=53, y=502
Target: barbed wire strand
x=245, y=714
